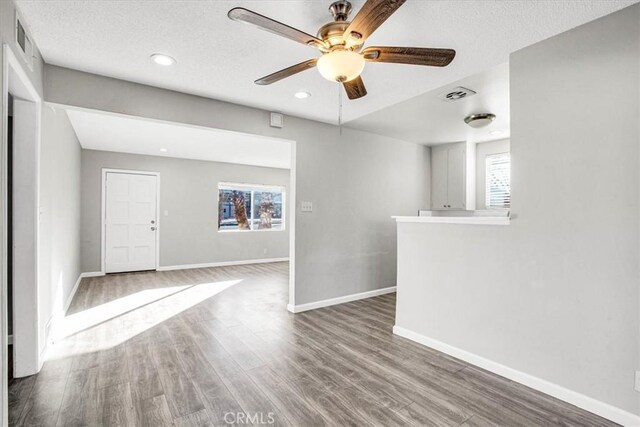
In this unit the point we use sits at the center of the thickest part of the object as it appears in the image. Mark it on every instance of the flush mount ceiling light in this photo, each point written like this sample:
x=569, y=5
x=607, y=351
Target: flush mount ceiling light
x=164, y=150
x=302, y=95
x=479, y=120
x=341, y=44
x=162, y=59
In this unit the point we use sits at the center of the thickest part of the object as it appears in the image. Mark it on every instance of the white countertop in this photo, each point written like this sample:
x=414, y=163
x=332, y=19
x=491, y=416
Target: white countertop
x=482, y=220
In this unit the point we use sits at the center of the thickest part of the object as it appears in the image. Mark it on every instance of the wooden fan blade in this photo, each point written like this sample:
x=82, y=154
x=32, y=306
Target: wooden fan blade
x=410, y=55
x=355, y=88
x=252, y=18
x=287, y=72
x=369, y=18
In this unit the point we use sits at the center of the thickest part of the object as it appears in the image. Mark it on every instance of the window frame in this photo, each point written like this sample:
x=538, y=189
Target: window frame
x=487, y=177
x=246, y=187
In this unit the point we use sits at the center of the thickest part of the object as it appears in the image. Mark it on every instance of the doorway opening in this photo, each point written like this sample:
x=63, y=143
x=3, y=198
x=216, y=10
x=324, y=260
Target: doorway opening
x=10, y=234
x=23, y=337
x=9, y=228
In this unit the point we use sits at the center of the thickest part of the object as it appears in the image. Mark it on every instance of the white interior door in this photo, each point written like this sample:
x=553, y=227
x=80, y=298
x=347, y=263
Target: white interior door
x=130, y=222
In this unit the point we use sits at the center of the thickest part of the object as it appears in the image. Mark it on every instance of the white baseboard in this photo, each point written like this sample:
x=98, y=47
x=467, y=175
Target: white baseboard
x=67, y=303
x=92, y=274
x=60, y=313
x=339, y=300
x=221, y=264
x=590, y=404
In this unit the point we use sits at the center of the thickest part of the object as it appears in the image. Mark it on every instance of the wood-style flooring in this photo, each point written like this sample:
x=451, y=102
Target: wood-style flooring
x=216, y=346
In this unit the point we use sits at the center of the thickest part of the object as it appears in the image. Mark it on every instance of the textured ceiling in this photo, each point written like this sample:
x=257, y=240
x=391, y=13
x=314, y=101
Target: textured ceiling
x=427, y=119
x=219, y=58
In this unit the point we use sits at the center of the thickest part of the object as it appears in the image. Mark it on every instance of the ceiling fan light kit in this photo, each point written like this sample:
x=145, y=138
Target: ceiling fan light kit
x=341, y=65
x=340, y=43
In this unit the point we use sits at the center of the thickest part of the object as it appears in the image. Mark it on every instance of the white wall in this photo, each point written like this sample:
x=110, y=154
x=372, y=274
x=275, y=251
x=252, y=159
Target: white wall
x=355, y=179
x=59, y=254
x=555, y=294
x=483, y=150
x=189, y=191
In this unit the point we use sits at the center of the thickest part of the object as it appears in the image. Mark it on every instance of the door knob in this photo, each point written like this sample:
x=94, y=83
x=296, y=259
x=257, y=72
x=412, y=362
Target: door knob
x=153, y=229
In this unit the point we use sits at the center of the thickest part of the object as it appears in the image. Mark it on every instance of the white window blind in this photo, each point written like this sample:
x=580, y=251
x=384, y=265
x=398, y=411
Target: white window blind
x=498, y=181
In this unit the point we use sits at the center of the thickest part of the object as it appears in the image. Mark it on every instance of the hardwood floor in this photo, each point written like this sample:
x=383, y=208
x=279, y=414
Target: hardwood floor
x=216, y=346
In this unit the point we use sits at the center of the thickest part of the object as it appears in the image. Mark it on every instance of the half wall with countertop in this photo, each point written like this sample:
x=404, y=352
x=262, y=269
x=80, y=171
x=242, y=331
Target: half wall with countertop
x=552, y=299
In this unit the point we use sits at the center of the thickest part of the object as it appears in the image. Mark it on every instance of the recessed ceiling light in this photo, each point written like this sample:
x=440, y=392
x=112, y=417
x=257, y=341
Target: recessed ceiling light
x=302, y=95
x=162, y=59
x=164, y=150
x=495, y=132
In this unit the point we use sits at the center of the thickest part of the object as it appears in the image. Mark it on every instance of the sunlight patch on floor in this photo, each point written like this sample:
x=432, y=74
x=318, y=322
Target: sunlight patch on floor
x=110, y=324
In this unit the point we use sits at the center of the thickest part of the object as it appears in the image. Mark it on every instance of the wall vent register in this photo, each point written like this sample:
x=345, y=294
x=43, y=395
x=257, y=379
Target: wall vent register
x=24, y=42
x=276, y=120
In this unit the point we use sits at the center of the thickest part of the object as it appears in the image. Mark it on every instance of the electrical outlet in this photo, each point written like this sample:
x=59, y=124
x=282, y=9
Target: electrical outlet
x=637, y=383
x=306, y=206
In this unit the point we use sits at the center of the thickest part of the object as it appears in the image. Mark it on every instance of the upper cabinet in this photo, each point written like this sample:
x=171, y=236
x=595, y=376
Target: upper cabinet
x=448, y=176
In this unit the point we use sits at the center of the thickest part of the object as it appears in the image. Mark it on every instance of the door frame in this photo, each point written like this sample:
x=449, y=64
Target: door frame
x=11, y=66
x=103, y=230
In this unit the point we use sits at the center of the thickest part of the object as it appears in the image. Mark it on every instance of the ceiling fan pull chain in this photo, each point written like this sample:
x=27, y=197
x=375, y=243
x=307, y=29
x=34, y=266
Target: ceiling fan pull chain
x=340, y=108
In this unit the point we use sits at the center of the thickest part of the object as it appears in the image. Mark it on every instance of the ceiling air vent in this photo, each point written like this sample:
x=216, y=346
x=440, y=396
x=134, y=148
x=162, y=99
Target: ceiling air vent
x=456, y=93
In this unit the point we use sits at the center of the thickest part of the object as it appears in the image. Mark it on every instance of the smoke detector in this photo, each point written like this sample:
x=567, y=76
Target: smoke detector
x=456, y=93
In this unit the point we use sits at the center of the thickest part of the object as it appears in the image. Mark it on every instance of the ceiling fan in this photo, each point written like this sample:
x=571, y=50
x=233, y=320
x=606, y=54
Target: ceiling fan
x=341, y=43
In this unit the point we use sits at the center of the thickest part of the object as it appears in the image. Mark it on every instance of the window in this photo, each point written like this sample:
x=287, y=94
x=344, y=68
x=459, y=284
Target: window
x=246, y=207
x=498, y=181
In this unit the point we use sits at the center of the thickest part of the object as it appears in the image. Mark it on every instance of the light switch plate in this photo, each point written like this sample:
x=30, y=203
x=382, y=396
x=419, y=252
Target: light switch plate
x=306, y=206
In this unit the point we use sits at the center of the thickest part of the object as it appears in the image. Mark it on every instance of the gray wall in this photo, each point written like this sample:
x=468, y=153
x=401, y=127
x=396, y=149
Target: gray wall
x=356, y=180
x=483, y=150
x=59, y=254
x=189, y=191
x=554, y=294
